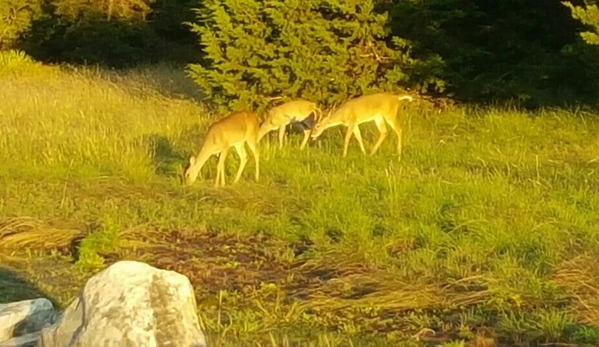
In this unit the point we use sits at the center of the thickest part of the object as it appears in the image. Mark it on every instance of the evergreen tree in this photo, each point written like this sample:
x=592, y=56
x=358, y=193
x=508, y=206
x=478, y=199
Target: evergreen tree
x=588, y=16
x=321, y=50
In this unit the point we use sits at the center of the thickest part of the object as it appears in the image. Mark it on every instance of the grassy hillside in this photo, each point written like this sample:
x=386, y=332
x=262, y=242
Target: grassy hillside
x=485, y=233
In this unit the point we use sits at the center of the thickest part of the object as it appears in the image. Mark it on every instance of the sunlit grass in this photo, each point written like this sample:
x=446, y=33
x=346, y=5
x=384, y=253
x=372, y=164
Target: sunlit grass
x=487, y=228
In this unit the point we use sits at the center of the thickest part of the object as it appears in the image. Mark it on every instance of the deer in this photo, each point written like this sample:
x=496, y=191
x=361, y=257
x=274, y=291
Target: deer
x=381, y=108
x=293, y=111
x=234, y=130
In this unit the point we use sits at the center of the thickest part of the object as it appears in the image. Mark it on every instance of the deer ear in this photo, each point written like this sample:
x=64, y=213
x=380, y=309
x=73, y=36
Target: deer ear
x=192, y=160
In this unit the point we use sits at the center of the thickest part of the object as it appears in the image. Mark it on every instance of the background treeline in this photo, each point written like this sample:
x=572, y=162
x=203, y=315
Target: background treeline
x=115, y=33
x=472, y=50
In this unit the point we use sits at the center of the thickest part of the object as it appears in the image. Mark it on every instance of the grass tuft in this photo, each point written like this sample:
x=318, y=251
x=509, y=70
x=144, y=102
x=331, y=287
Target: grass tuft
x=18, y=233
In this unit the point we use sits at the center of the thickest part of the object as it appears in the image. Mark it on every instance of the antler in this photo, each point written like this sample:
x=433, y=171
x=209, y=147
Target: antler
x=333, y=108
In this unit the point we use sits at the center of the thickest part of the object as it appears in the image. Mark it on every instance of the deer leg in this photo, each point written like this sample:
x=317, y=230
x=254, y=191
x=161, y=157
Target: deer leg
x=350, y=129
x=243, y=159
x=358, y=136
x=398, y=131
x=256, y=152
x=382, y=127
x=220, y=168
x=307, y=133
x=282, y=129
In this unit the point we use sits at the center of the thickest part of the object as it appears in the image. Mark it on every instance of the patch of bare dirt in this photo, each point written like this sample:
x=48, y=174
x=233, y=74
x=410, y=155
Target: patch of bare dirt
x=216, y=262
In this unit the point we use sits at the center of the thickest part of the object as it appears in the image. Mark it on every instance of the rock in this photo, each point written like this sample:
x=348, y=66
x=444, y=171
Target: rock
x=28, y=340
x=23, y=317
x=130, y=304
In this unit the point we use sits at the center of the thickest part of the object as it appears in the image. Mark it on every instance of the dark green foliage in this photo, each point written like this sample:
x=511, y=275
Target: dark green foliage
x=168, y=17
x=496, y=49
x=93, y=40
x=129, y=33
x=321, y=50
x=167, y=22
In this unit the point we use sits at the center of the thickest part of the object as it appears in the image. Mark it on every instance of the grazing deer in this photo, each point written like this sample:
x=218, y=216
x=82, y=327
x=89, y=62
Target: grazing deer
x=381, y=108
x=294, y=111
x=234, y=130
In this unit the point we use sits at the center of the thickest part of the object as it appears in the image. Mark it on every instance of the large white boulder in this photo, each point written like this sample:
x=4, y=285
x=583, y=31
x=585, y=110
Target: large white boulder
x=129, y=304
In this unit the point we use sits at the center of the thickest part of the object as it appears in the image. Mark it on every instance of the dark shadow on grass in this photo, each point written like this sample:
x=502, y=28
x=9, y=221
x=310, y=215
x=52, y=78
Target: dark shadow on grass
x=15, y=287
x=165, y=156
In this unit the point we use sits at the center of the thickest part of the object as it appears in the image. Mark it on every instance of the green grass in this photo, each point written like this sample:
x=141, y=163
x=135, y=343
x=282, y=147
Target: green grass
x=485, y=233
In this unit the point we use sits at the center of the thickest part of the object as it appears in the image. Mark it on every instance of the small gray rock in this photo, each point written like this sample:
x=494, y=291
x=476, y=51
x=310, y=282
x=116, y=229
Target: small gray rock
x=28, y=340
x=23, y=317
